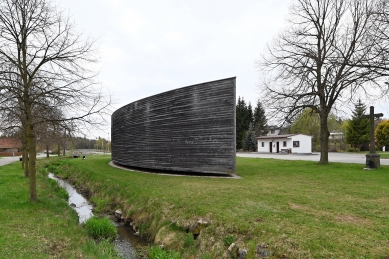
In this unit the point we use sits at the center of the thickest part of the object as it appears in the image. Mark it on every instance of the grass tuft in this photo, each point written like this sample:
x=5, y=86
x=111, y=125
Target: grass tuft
x=156, y=252
x=228, y=240
x=189, y=240
x=101, y=228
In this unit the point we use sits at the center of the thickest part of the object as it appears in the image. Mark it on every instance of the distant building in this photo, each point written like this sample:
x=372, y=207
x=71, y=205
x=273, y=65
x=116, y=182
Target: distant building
x=336, y=135
x=8, y=144
x=276, y=141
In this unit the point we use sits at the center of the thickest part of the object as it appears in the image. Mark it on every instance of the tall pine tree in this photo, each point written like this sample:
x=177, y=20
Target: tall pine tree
x=244, y=115
x=249, y=141
x=259, y=120
x=358, y=128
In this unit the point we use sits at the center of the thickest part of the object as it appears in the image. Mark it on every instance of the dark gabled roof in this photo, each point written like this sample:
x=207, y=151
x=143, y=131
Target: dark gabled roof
x=279, y=136
x=276, y=136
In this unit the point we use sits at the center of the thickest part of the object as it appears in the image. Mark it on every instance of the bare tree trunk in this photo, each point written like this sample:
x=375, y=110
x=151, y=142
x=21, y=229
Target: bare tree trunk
x=24, y=152
x=47, y=151
x=64, y=145
x=25, y=162
x=31, y=162
x=324, y=135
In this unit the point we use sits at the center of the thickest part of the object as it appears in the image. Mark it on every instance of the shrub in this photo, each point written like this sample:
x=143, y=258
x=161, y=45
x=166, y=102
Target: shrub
x=101, y=228
x=352, y=149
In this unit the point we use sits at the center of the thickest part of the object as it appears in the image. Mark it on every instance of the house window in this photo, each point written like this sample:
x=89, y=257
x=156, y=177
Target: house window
x=296, y=143
x=284, y=144
x=263, y=144
x=272, y=131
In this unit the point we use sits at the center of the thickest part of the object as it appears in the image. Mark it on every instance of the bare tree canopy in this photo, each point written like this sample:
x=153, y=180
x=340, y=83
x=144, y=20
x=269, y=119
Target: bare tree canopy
x=330, y=51
x=45, y=65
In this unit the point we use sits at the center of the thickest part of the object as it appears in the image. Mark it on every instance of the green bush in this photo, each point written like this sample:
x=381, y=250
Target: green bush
x=156, y=252
x=101, y=228
x=353, y=149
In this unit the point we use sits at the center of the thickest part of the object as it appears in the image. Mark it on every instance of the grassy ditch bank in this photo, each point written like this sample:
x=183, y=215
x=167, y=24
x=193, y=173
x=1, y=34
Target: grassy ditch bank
x=279, y=209
x=48, y=229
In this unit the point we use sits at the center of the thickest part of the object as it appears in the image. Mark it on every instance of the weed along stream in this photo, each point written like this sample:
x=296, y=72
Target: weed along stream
x=125, y=241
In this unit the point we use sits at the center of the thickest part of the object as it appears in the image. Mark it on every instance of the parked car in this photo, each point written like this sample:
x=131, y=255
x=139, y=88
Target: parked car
x=21, y=158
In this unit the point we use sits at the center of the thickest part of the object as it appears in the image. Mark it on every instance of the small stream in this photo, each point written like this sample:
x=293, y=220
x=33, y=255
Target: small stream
x=125, y=242
x=76, y=200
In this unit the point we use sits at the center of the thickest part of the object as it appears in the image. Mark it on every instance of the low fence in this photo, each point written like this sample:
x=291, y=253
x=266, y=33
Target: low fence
x=10, y=153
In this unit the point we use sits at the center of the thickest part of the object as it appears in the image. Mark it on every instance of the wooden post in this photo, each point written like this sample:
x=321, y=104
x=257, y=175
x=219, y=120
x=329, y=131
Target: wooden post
x=372, y=140
x=372, y=159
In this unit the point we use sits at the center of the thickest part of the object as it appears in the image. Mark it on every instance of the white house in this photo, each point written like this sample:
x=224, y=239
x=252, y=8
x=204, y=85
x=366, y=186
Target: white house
x=289, y=143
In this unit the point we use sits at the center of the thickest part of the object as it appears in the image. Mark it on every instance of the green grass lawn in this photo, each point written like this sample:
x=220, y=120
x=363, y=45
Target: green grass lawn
x=297, y=209
x=384, y=155
x=48, y=229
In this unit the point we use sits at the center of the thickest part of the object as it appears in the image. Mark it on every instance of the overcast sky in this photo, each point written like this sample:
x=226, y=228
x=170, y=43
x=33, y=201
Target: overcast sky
x=149, y=47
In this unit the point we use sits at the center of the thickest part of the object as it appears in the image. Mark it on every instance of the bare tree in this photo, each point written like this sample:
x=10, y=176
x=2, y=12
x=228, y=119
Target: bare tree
x=330, y=51
x=45, y=63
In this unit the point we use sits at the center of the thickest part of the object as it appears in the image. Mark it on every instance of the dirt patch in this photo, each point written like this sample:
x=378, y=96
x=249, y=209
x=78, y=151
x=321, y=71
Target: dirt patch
x=298, y=207
x=341, y=218
x=351, y=219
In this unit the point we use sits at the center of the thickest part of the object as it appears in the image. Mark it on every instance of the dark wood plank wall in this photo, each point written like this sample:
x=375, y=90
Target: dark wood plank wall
x=190, y=129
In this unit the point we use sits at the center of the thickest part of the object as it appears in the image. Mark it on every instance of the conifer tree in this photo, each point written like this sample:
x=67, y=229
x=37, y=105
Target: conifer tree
x=259, y=120
x=244, y=116
x=249, y=142
x=358, y=128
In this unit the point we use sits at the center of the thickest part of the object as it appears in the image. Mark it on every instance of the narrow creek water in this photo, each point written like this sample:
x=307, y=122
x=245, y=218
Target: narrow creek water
x=125, y=242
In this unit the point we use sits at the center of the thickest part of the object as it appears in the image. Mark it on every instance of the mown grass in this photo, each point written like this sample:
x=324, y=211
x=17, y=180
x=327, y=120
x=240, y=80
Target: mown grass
x=297, y=209
x=48, y=229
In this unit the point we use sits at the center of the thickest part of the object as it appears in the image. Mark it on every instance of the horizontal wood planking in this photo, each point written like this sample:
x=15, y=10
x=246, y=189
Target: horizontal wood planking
x=190, y=129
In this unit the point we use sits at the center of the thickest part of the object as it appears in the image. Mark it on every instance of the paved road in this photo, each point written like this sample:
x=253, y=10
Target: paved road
x=10, y=159
x=332, y=157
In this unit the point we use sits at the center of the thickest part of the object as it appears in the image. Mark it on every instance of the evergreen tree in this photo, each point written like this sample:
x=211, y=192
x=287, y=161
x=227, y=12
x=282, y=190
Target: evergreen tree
x=358, y=128
x=239, y=122
x=249, y=143
x=244, y=116
x=259, y=120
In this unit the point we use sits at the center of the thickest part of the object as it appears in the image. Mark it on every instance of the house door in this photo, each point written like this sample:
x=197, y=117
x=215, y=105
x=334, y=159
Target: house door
x=278, y=147
x=271, y=147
